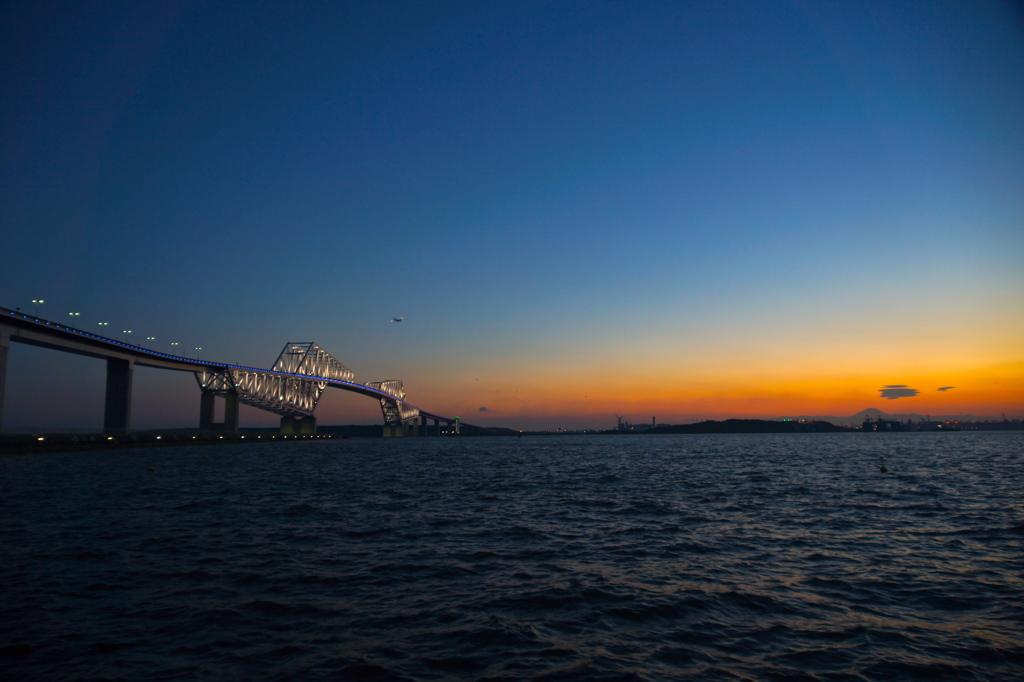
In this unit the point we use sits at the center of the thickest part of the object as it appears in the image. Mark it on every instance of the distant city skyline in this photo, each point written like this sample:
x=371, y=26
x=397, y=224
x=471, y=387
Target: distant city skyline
x=689, y=210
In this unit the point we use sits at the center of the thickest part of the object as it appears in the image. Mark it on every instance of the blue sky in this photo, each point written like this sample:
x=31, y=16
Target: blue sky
x=553, y=194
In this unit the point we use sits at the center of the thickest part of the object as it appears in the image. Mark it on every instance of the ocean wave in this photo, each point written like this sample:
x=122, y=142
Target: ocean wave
x=526, y=559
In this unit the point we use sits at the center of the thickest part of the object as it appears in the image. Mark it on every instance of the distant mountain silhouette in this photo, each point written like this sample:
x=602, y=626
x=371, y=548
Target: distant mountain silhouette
x=874, y=413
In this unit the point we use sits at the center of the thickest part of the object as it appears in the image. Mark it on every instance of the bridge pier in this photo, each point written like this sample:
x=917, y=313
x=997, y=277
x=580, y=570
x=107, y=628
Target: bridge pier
x=206, y=412
x=118, y=405
x=231, y=412
x=206, y=407
x=403, y=430
x=5, y=343
x=295, y=426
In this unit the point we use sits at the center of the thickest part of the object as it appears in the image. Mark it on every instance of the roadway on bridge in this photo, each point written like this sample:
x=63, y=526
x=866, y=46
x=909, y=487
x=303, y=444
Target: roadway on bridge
x=30, y=329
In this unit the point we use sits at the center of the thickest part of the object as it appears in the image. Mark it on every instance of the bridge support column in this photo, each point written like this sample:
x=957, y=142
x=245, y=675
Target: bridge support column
x=206, y=407
x=295, y=426
x=5, y=343
x=118, y=406
x=231, y=412
x=437, y=427
x=423, y=426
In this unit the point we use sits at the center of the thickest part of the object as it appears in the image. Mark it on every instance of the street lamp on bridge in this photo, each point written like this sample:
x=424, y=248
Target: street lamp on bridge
x=37, y=302
x=150, y=339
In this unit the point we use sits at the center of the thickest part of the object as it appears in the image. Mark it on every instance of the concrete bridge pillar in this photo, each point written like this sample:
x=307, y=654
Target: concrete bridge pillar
x=294, y=426
x=5, y=343
x=206, y=407
x=118, y=405
x=288, y=426
x=231, y=412
x=207, y=403
x=423, y=426
x=402, y=430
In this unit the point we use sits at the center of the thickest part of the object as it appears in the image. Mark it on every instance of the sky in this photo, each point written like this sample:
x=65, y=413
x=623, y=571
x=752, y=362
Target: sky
x=671, y=210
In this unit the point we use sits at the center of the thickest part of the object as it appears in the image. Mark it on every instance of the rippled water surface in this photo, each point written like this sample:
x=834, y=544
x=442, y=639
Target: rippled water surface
x=550, y=558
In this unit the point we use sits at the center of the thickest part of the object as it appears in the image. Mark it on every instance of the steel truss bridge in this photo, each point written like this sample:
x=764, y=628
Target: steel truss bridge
x=291, y=388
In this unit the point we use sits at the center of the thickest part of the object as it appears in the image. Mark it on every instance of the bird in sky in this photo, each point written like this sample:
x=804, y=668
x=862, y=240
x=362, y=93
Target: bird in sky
x=397, y=319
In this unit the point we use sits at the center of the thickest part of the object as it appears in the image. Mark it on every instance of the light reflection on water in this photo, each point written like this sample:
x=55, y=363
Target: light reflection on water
x=554, y=558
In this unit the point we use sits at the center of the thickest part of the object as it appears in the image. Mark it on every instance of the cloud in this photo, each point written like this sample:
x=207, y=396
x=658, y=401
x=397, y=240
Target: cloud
x=482, y=409
x=945, y=388
x=894, y=391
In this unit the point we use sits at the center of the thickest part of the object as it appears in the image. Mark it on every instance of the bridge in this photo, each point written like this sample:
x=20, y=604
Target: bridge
x=291, y=388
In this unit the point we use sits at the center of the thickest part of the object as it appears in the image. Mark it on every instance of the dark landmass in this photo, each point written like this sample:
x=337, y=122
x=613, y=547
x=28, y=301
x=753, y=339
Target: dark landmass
x=711, y=426
x=873, y=413
x=24, y=444
x=11, y=444
x=471, y=430
x=350, y=430
x=377, y=431
x=750, y=426
x=47, y=442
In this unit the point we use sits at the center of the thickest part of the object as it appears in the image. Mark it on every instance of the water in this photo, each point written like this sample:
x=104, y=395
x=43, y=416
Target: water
x=563, y=558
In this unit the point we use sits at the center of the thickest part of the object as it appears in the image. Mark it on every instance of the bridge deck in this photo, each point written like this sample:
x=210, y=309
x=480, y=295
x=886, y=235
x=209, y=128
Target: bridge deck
x=36, y=331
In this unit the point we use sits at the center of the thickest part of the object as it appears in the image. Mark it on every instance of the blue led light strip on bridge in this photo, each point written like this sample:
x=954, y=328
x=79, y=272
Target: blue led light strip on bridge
x=147, y=351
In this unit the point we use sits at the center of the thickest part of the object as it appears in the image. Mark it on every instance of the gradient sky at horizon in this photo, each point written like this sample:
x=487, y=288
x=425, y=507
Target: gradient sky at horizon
x=682, y=209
